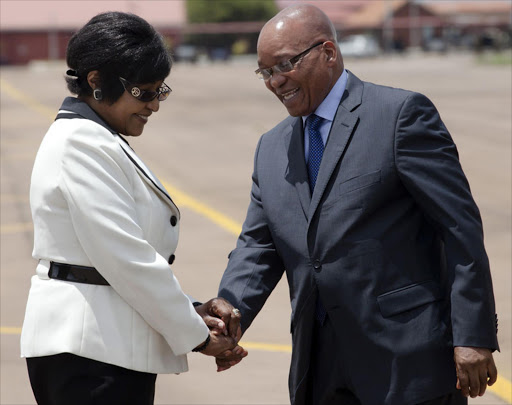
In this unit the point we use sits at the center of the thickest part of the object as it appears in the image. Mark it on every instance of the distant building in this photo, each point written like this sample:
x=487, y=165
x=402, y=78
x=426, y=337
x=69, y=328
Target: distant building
x=400, y=24
x=396, y=24
x=478, y=24
x=36, y=29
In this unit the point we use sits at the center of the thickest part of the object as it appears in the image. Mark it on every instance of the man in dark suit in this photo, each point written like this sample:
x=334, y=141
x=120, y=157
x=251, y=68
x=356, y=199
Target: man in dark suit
x=380, y=238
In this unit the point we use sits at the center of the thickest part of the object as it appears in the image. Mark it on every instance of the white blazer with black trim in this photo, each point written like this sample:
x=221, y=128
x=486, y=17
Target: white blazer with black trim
x=94, y=203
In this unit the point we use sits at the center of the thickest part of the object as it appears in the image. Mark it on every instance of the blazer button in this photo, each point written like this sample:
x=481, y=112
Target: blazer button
x=174, y=220
x=171, y=259
x=317, y=266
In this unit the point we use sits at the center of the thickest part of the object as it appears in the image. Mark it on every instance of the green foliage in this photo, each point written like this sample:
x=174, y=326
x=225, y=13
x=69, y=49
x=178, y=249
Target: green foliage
x=495, y=57
x=203, y=11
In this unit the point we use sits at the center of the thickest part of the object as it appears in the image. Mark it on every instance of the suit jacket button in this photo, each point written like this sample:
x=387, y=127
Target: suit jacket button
x=171, y=259
x=317, y=266
x=174, y=220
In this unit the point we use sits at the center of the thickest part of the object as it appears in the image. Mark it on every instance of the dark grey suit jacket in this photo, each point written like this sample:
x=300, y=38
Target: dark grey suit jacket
x=391, y=239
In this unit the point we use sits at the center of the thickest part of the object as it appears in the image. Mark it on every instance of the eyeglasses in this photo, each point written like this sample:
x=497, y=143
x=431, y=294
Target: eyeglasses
x=283, y=67
x=146, y=95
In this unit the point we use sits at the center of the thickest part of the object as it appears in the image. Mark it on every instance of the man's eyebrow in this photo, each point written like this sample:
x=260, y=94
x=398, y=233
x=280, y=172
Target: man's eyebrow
x=280, y=58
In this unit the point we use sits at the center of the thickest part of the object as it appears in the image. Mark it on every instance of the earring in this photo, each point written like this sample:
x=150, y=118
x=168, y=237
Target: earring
x=97, y=94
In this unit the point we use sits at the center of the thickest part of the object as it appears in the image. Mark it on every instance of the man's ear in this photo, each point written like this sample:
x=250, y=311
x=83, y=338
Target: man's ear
x=93, y=78
x=331, y=52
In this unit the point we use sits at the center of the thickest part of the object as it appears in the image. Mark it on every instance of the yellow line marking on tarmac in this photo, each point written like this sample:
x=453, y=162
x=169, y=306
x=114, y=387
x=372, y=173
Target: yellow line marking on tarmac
x=267, y=347
x=182, y=199
x=15, y=228
x=25, y=99
x=9, y=330
x=502, y=388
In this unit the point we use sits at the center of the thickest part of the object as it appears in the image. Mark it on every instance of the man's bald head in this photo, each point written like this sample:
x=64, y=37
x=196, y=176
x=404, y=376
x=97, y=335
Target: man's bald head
x=300, y=23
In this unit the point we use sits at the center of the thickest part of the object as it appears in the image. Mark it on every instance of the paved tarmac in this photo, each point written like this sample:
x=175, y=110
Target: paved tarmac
x=201, y=144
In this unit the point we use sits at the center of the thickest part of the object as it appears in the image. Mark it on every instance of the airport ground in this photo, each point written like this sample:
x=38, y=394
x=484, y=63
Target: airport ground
x=201, y=144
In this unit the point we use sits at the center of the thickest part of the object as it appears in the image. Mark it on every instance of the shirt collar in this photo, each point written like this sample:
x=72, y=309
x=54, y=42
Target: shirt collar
x=327, y=109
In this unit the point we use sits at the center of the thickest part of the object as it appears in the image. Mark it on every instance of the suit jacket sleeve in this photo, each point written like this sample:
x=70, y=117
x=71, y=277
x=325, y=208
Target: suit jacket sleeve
x=254, y=267
x=95, y=181
x=428, y=164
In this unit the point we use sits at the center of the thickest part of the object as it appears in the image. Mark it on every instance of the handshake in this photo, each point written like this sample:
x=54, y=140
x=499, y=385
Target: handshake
x=223, y=320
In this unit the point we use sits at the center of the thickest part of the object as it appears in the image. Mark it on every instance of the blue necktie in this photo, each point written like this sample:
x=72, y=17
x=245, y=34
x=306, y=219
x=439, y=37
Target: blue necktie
x=316, y=151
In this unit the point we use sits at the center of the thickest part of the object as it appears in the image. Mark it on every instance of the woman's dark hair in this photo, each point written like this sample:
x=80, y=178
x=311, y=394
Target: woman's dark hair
x=116, y=44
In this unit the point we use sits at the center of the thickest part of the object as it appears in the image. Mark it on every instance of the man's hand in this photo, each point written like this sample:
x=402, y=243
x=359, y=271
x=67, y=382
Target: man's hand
x=475, y=370
x=230, y=358
x=219, y=315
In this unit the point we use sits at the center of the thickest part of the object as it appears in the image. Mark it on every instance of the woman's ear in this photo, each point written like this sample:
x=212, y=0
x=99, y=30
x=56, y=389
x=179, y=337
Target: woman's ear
x=93, y=78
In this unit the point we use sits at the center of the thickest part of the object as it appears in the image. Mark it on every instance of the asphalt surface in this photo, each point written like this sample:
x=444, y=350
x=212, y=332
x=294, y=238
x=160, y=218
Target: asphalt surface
x=201, y=144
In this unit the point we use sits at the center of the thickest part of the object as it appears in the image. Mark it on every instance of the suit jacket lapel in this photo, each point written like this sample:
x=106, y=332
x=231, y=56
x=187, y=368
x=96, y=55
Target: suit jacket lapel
x=297, y=172
x=144, y=172
x=341, y=130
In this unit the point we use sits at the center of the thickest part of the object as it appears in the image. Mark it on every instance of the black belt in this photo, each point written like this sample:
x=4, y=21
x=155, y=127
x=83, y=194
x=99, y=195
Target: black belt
x=76, y=274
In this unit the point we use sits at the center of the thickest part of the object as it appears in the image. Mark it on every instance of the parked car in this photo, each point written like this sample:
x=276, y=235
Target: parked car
x=359, y=46
x=186, y=53
x=435, y=45
x=219, y=53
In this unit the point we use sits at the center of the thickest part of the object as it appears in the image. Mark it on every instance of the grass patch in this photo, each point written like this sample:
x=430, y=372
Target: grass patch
x=495, y=57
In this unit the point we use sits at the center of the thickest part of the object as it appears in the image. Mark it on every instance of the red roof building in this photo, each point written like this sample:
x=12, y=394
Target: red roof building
x=35, y=29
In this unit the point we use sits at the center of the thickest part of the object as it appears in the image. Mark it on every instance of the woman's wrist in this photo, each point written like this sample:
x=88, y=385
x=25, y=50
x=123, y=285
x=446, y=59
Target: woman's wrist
x=203, y=345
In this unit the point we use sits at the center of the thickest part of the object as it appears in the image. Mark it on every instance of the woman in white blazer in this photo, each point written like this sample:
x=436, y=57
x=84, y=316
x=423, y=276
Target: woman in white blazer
x=105, y=313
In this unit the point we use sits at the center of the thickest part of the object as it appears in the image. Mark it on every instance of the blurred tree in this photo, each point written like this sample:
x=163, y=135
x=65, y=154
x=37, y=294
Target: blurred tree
x=201, y=11
x=220, y=11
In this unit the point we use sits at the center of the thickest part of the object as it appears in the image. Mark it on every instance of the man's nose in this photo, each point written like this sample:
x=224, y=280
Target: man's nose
x=276, y=80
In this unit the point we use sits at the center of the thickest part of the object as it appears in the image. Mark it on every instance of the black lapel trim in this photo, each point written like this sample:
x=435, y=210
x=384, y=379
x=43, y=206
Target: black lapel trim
x=148, y=177
x=80, y=109
x=67, y=115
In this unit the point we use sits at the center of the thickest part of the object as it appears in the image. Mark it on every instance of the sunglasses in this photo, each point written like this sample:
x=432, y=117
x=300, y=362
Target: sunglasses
x=146, y=95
